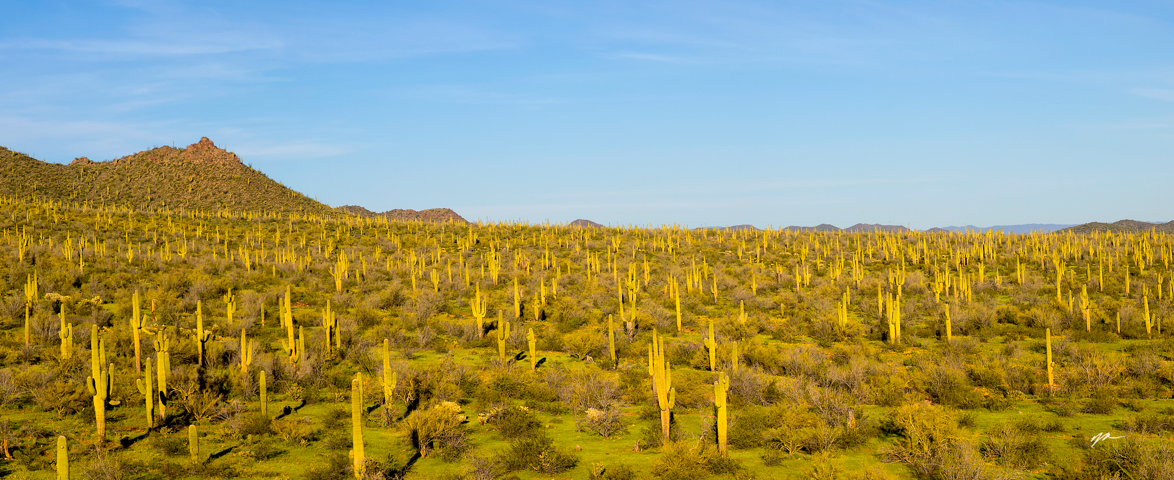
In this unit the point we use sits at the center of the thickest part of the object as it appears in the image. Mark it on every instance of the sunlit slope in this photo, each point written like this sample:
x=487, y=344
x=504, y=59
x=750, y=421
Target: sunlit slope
x=201, y=176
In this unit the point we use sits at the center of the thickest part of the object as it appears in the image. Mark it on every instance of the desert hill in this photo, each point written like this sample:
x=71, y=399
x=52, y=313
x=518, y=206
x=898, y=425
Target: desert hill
x=201, y=176
x=1121, y=226
x=431, y=215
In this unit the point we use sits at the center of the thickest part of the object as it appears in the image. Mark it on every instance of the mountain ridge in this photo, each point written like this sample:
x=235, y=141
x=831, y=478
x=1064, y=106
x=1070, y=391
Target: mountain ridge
x=201, y=176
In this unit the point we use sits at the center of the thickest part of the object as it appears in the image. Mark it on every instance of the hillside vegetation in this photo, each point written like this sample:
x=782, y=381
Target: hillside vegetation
x=161, y=345
x=201, y=177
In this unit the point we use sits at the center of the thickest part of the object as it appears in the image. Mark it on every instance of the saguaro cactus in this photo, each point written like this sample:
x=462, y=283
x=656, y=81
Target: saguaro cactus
x=677, y=301
x=503, y=333
x=949, y=326
x=662, y=383
x=66, y=336
x=264, y=396
x=720, y=388
x=193, y=443
x=477, y=304
x=147, y=388
x=202, y=337
x=711, y=345
x=389, y=376
x=330, y=326
x=1051, y=383
x=357, y=427
x=100, y=382
x=100, y=387
x=246, y=353
x=517, y=299
x=62, y=458
x=136, y=327
x=163, y=365
x=611, y=341
x=532, y=342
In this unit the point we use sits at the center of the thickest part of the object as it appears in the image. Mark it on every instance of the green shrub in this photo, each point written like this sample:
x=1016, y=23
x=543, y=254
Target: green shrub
x=513, y=422
x=537, y=453
x=690, y=460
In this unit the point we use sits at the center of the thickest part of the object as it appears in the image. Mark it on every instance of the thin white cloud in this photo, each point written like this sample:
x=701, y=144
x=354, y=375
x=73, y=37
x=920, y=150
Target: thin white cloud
x=1155, y=93
x=144, y=47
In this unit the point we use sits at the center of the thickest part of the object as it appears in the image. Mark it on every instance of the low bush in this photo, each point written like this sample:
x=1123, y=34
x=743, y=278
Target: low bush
x=537, y=453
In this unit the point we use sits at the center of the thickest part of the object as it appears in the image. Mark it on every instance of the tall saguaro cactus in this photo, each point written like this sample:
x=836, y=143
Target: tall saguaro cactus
x=949, y=326
x=711, y=345
x=330, y=326
x=66, y=336
x=662, y=382
x=611, y=342
x=357, y=427
x=503, y=334
x=389, y=376
x=136, y=328
x=477, y=304
x=100, y=382
x=202, y=337
x=720, y=388
x=147, y=388
x=1051, y=383
x=246, y=353
x=264, y=396
x=532, y=342
x=163, y=365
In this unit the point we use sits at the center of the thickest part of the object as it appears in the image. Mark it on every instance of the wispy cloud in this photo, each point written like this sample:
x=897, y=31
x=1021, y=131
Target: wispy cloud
x=142, y=47
x=1155, y=93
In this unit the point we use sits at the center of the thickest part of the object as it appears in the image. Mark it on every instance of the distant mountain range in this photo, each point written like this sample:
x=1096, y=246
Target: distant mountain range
x=1119, y=226
x=436, y=215
x=205, y=177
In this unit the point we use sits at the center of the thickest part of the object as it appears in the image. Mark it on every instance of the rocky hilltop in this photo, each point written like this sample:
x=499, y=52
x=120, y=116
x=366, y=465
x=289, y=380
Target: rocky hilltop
x=431, y=215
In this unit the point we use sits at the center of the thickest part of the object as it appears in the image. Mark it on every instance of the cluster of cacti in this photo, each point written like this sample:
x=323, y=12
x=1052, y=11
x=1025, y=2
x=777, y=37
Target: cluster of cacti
x=749, y=312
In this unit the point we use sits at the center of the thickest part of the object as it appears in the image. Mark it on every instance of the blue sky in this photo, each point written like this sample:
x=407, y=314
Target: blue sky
x=771, y=113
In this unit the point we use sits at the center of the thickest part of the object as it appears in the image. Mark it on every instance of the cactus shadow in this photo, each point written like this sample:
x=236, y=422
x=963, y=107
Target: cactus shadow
x=127, y=442
x=288, y=410
x=222, y=453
